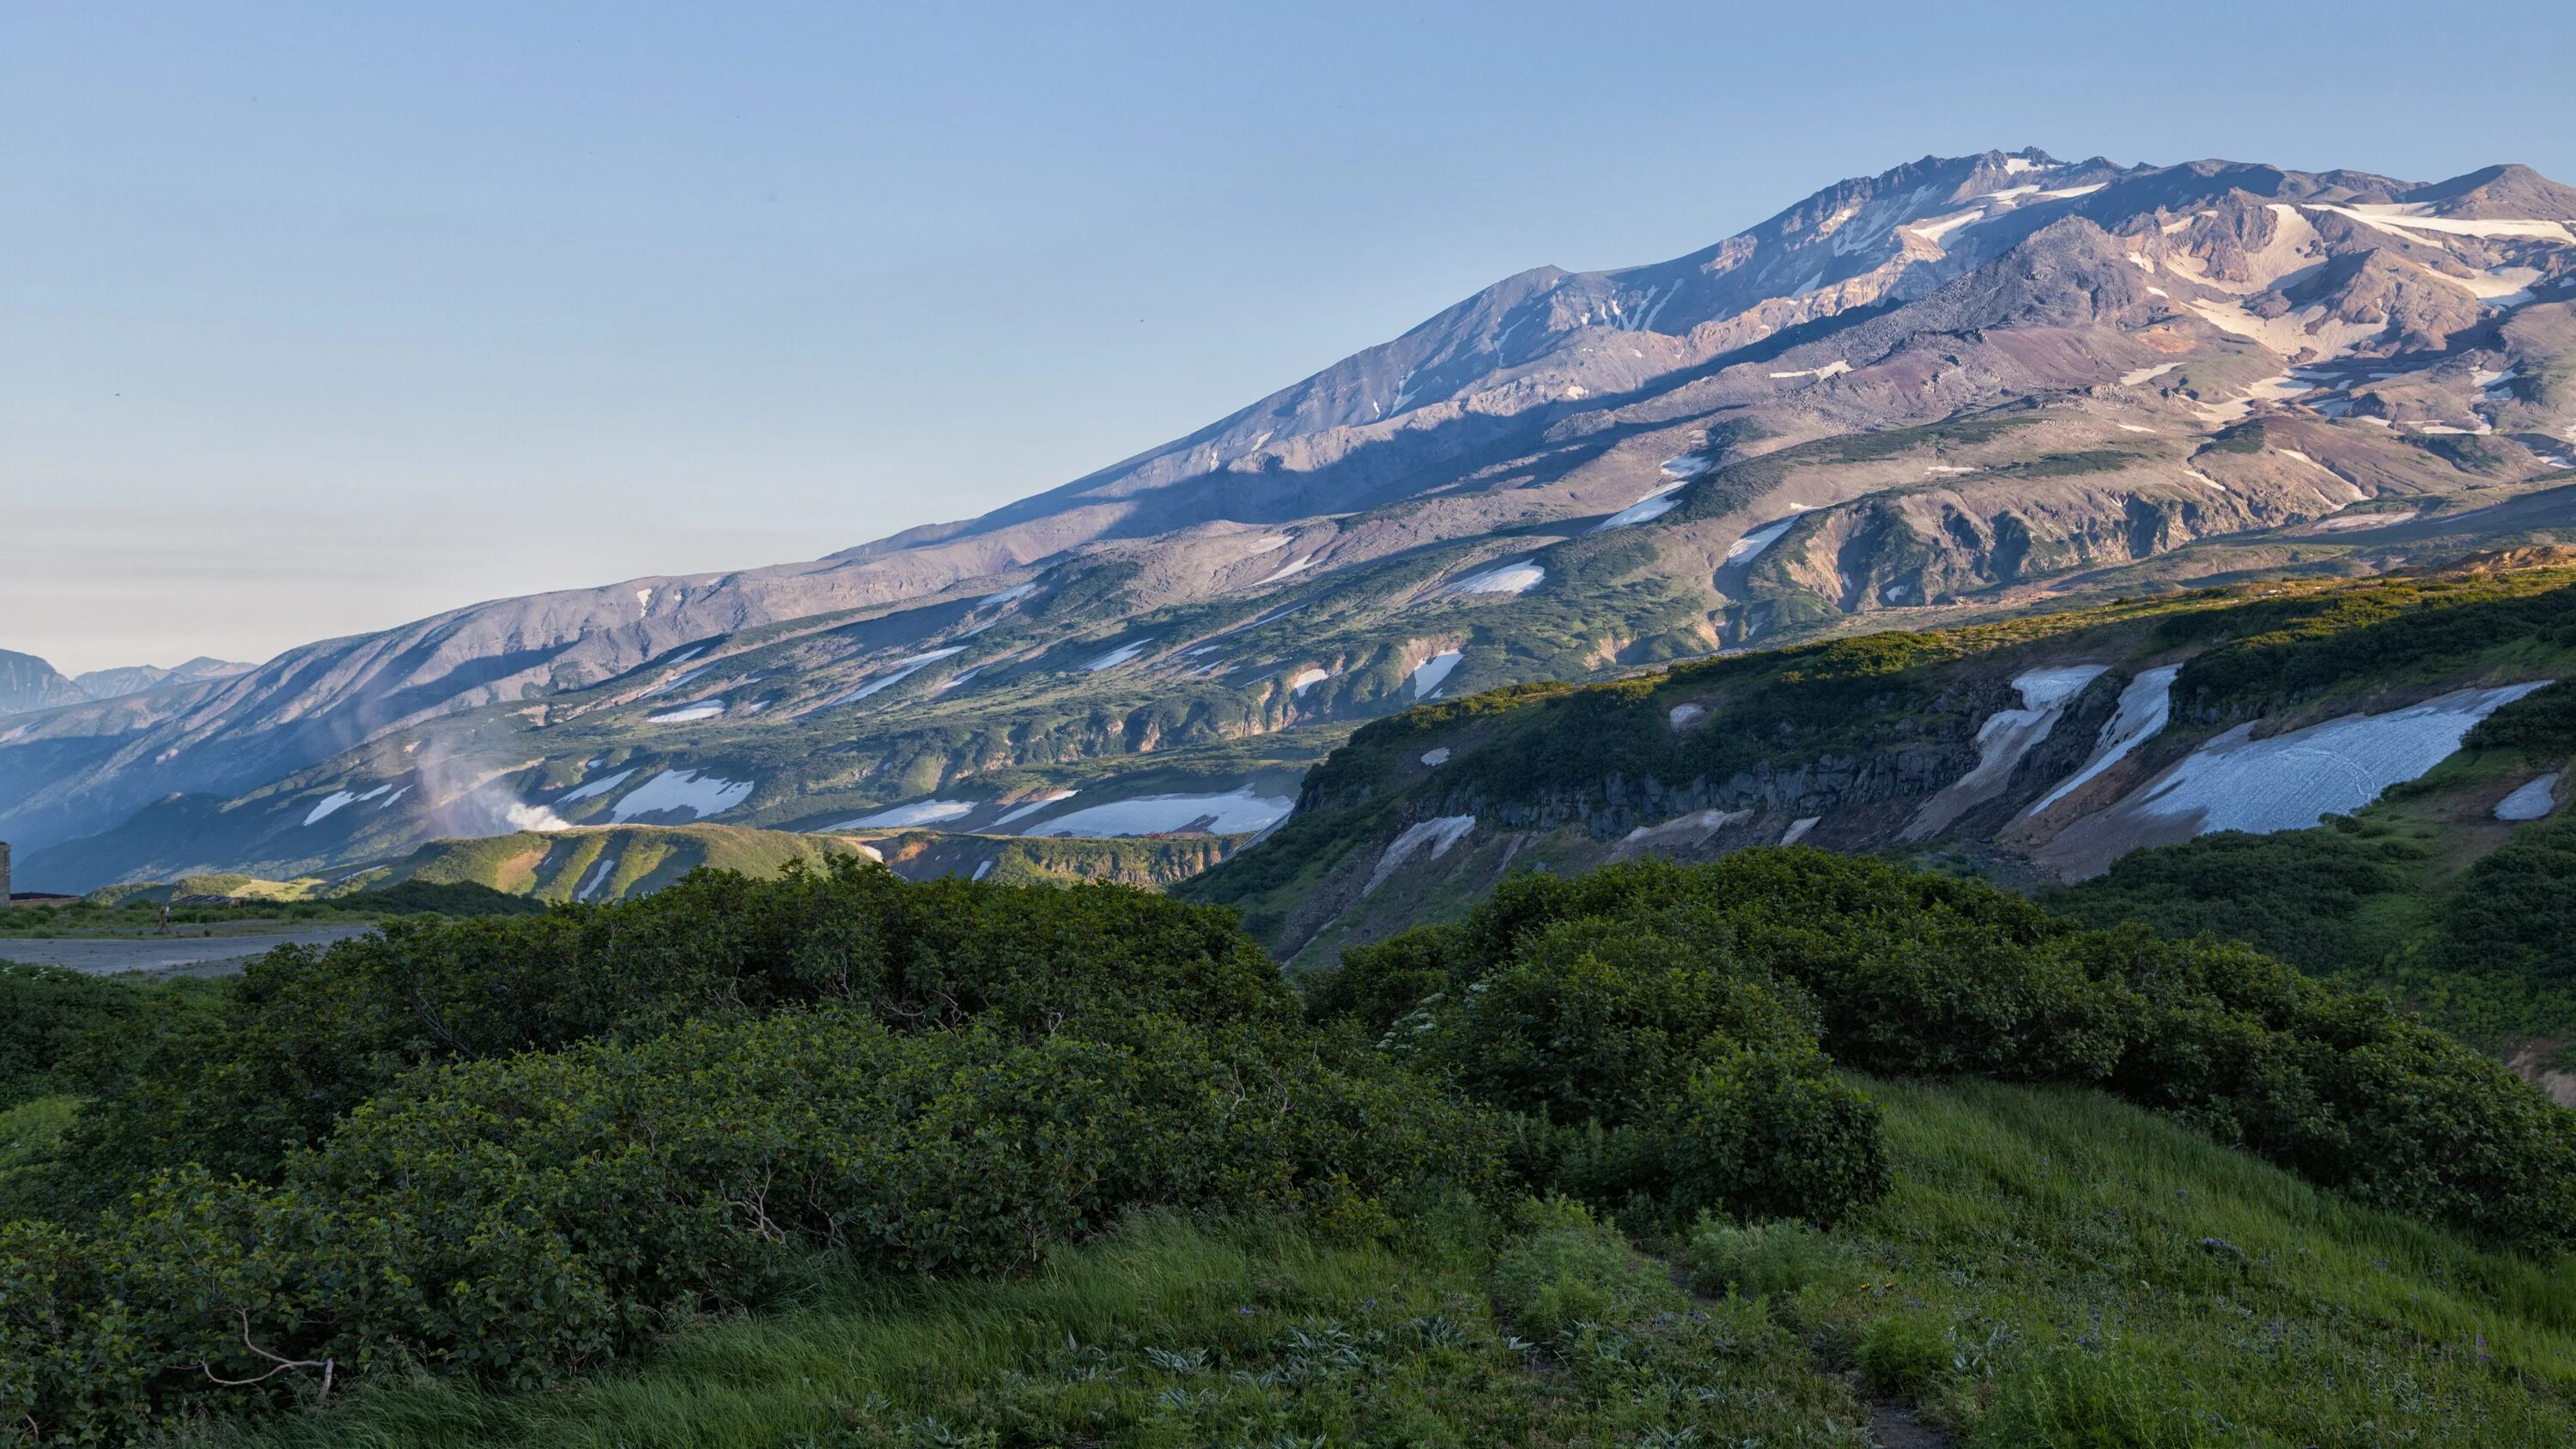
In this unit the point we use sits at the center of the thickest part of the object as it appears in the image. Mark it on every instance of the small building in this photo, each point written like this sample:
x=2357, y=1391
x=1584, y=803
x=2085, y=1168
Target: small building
x=9, y=897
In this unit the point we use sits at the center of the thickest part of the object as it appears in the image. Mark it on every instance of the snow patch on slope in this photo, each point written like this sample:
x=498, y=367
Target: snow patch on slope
x=2146, y=703
x=1654, y=505
x=2287, y=782
x=331, y=805
x=2003, y=739
x=2532, y=801
x=672, y=790
x=901, y=670
x=1120, y=655
x=1517, y=577
x=1026, y=809
x=1234, y=813
x=919, y=812
x=1438, y=834
x=1430, y=673
x=594, y=787
x=598, y=878
x=1750, y=546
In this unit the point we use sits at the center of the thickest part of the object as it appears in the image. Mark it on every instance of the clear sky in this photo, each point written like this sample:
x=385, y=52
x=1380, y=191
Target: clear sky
x=319, y=317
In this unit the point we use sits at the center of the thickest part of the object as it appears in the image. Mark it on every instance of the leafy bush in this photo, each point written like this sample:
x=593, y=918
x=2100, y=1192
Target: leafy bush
x=2541, y=722
x=306, y=1035
x=1926, y=975
x=1660, y=1075
x=1768, y=1259
x=2297, y=894
x=1573, y=1270
x=1903, y=1352
x=518, y=1220
x=47, y=1015
x=2513, y=915
x=63, y=1031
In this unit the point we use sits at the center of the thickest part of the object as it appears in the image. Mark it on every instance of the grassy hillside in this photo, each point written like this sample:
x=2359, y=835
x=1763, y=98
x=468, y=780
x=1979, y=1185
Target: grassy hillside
x=1792, y=1148
x=615, y=863
x=1154, y=861
x=2425, y=894
x=2050, y=1268
x=608, y=863
x=1845, y=743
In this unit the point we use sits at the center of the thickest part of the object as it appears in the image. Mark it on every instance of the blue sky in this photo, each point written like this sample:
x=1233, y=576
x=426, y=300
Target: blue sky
x=316, y=318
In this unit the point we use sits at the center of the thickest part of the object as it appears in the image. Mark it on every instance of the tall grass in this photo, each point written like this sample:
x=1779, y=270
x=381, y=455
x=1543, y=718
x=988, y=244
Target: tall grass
x=2099, y=1266
x=2054, y=1270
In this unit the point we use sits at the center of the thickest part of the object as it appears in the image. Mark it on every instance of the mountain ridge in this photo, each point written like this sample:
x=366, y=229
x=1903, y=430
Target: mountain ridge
x=1965, y=383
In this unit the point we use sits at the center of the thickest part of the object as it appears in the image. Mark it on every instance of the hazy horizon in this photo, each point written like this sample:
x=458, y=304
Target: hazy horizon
x=323, y=321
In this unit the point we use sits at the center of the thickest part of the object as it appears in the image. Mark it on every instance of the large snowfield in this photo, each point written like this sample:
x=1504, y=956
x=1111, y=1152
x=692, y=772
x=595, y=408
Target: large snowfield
x=1234, y=813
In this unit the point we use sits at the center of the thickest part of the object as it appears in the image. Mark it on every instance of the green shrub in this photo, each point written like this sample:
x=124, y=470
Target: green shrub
x=1903, y=1353
x=306, y=1035
x=2542, y=722
x=1773, y=1135
x=1663, y=1075
x=1573, y=1270
x=1604, y=980
x=2513, y=915
x=519, y=1220
x=2297, y=895
x=62, y=1031
x=1769, y=1259
x=443, y=898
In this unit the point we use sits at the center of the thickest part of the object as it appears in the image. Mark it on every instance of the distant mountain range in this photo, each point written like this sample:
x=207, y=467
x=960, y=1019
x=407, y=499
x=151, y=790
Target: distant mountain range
x=1965, y=389
x=29, y=683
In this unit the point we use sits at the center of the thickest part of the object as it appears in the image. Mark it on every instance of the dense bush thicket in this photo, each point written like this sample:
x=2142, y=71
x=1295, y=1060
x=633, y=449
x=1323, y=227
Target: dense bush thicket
x=2513, y=914
x=521, y=1219
x=2542, y=722
x=2289, y=647
x=1648, y=1073
x=514, y=1149
x=2297, y=894
x=307, y=1035
x=1923, y=975
x=445, y=898
x=61, y=1030
x=47, y=1018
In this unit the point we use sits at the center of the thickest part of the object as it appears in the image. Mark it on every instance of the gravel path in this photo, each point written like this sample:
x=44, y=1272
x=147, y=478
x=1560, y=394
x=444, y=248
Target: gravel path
x=171, y=955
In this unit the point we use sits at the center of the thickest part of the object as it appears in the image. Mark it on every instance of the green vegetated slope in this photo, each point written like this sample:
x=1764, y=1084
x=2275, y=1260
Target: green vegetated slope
x=2050, y=1268
x=614, y=863
x=839, y=1159
x=1855, y=738
x=606, y=863
x=618, y=862
x=2424, y=895
x=1148, y=860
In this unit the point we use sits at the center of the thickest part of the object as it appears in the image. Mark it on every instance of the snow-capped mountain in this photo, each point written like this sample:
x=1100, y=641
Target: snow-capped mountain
x=1964, y=387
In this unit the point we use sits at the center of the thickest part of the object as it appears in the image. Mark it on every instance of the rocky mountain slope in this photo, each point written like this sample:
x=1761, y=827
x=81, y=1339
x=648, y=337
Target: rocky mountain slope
x=1962, y=389
x=28, y=683
x=2037, y=750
